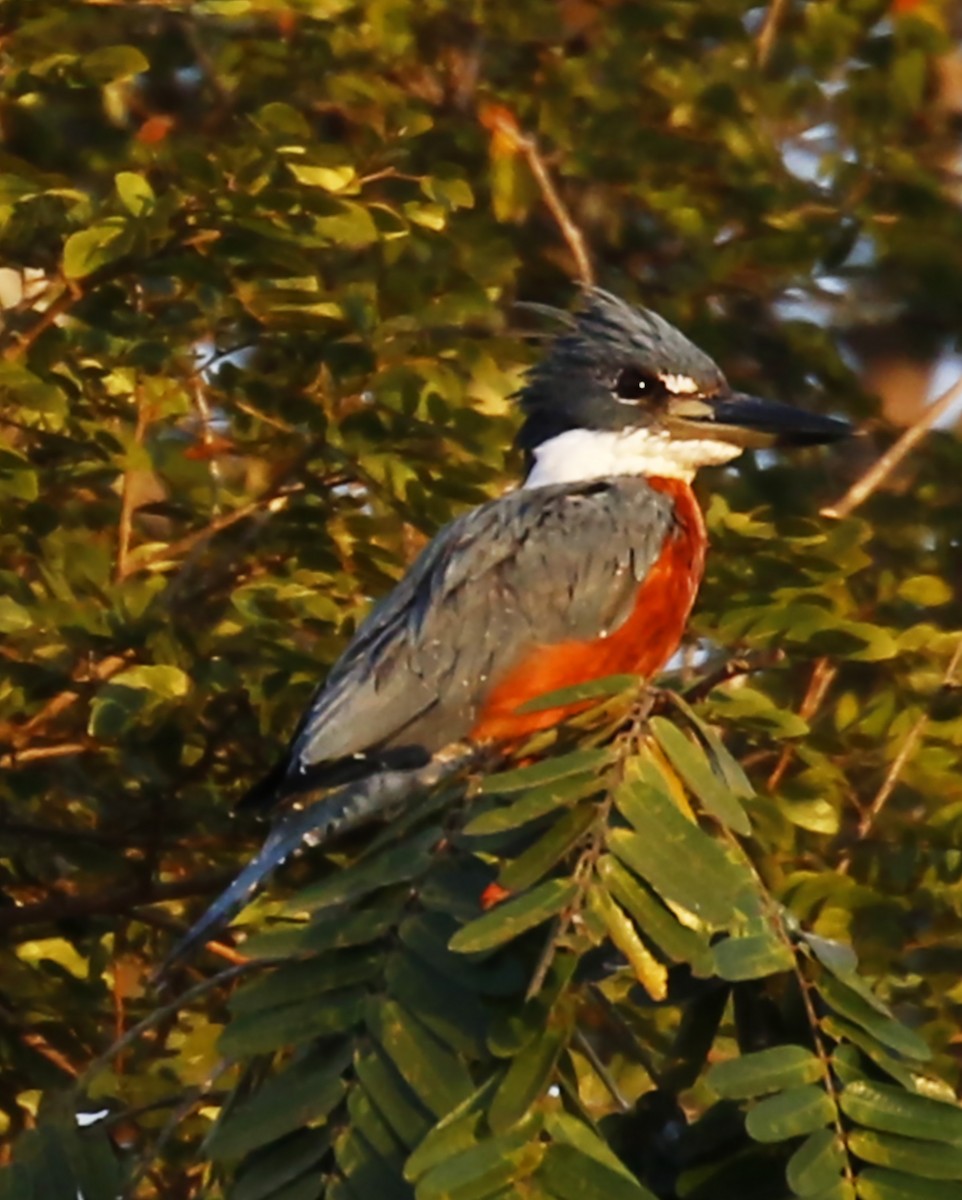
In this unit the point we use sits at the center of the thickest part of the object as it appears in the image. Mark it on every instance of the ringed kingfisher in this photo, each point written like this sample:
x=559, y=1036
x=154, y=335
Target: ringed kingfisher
x=589, y=569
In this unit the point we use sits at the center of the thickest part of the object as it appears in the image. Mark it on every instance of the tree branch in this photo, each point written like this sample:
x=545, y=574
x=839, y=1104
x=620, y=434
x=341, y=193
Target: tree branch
x=62, y=907
x=880, y=470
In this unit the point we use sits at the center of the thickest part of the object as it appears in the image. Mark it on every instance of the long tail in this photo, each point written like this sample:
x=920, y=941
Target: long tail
x=311, y=822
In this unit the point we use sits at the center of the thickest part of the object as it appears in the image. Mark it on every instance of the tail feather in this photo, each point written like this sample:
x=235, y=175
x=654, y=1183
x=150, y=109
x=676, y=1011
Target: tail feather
x=312, y=822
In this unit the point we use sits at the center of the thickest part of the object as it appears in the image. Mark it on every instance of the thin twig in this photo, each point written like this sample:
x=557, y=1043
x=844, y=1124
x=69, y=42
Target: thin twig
x=905, y=752
x=501, y=121
x=158, y=1015
x=19, y=735
x=20, y=343
x=823, y=675
x=606, y=1077
x=880, y=470
x=569, y=230
x=23, y=758
x=271, y=501
x=769, y=31
x=190, y=1101
x=128, y=492
x=125, y=900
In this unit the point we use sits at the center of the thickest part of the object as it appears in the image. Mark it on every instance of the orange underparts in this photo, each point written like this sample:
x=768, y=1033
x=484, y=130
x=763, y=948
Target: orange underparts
x=641, y=645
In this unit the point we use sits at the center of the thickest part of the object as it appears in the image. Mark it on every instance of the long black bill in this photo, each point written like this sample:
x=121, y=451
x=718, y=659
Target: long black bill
x=754, y=423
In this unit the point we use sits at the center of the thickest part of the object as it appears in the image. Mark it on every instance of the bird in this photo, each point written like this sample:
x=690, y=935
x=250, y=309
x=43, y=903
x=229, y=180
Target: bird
x=588, y=569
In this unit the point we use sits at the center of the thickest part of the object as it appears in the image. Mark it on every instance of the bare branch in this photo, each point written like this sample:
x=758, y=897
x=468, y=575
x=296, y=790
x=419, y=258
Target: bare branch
x=906, y=750
x=769, y=31
x=125, y=900
x=880, y=470
x=501, y=121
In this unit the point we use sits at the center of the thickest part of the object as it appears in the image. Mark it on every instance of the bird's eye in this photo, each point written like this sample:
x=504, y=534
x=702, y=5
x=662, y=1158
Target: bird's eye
x=632, y=386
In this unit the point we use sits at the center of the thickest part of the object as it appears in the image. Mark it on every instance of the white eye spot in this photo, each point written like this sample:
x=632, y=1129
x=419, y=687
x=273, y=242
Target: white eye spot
x=679, y=385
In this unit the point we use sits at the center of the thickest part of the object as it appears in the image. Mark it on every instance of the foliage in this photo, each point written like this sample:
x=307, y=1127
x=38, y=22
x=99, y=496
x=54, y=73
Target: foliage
x=269, y=253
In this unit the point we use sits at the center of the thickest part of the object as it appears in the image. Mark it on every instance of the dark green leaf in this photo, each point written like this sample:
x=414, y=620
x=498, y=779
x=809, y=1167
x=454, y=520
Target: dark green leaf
x=569, y=1174
x=527, y=1080
x=394, y=865
x=553, y=845
x=267, y=1029
x=849, y=1004
x=533, y=804
x=438, y=1077
x=511, y=918
x=480, y=1170
x=303, y=1093
x=578, y=762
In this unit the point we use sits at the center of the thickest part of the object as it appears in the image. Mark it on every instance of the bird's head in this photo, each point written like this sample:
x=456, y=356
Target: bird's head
x=622, y=392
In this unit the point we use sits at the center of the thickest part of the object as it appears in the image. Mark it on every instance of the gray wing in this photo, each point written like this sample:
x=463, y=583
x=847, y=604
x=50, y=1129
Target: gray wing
x=535, y=567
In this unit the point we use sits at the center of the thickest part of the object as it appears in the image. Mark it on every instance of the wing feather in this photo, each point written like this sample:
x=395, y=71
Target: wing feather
x=534, y=567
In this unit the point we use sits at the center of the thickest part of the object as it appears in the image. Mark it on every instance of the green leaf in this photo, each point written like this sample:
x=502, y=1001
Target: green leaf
x=290, y=1024
x=816, y=1165
x=269, y=1170
x=135, y=193
x=676, y=941
x=482, y=1169
x=532, y=804
x=330, y=178
x=527, y=1080
x=14, y=618
x=695, y=769
x=436, y=1076
x=928, y=591
x=305, y=1092
x=395, y=1101
x=682, y=863
x=578, y=762
x=579, y=693
x=510, y=919
x=567, y=1129
x=18, y=479
x=457, y=1131
x=451, y=1012
x=893, y=1110
x=846, y=1032
x=112, y=64
x=568, y=1174
x=333, y=930
x=752, y=957
x=722, y=761
x=849, y=1004
x=397, y=864
x=89, y=249
x=930, y=1160
x=164, y=682
x=304, y=979
x=773, y=1070
x=649, y=971
x=875, y=1183
x=520, y=873
x=789, y=1114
